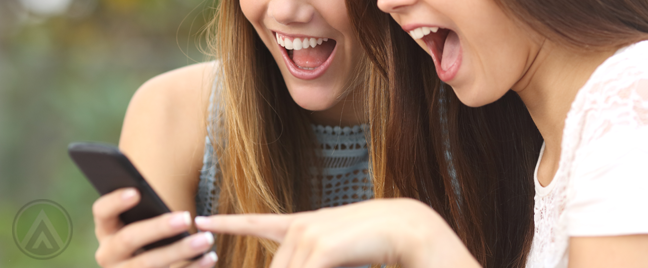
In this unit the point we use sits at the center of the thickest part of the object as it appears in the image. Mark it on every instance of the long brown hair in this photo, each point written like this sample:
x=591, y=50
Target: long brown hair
x=478, y=174
x=260, y=135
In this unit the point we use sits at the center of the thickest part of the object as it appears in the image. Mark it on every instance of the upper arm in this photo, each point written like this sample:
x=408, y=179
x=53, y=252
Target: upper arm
x=608, y=209
x=607, y=212
x=609, y=251
x=609, y=185
x=164, y=132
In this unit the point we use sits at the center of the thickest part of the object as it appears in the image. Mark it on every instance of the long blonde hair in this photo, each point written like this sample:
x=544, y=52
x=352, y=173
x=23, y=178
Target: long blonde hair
x=261, y=135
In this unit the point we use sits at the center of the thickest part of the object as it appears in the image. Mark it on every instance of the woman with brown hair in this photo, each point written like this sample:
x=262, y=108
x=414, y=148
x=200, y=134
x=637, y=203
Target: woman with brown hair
x=575, y=72
x=276, y=124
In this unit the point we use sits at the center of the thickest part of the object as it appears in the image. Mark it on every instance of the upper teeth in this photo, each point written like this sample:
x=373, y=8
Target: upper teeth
x=299, y=43
x=418, y=33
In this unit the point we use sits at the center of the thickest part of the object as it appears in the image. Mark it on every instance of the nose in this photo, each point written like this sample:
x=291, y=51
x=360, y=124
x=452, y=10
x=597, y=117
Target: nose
x=394, y=6
x=290, y=11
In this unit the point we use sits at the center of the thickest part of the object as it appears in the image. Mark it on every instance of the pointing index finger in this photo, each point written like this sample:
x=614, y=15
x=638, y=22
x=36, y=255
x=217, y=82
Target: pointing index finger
x=269, y=226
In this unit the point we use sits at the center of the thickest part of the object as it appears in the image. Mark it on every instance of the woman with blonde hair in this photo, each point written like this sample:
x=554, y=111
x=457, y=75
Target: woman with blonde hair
x=276, y=124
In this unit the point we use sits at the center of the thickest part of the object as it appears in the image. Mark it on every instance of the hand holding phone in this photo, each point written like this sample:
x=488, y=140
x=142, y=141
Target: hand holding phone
x=147, y=222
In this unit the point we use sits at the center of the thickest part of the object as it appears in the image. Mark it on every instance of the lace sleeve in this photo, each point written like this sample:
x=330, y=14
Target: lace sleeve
x=608, y=191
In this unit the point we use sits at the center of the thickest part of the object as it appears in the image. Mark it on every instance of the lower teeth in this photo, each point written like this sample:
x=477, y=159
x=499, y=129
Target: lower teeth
x=305, y=68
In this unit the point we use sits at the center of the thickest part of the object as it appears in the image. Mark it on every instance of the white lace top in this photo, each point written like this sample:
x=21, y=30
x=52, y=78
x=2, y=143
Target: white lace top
x=601, y=186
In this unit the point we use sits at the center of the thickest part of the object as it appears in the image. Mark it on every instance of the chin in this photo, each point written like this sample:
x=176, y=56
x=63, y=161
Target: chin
x=314, y=107
x=472, y=102
x=475, y=97
x=314, y=99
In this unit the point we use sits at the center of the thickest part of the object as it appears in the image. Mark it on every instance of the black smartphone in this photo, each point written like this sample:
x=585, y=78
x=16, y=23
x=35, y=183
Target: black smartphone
x=108, y=170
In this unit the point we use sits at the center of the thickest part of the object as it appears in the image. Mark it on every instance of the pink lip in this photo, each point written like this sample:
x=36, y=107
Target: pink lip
x=306, y=74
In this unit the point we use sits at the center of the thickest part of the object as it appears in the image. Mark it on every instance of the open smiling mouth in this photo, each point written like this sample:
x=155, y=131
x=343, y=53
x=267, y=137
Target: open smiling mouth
x=306, y=57
x=445, y=47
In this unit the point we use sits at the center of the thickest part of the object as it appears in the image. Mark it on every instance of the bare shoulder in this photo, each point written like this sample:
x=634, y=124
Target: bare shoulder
x=164, y=131
x=188, y=86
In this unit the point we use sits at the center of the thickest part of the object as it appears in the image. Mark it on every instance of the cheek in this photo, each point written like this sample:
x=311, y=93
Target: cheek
x=494, y=70
x=340, y=20
x=254, y=10
x=350, y=51
x=496, y=54
x=334, y=13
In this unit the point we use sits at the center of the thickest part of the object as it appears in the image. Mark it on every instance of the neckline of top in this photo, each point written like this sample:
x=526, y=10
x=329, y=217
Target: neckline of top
x=542, y=190
x=338, y=130
x=545, y=190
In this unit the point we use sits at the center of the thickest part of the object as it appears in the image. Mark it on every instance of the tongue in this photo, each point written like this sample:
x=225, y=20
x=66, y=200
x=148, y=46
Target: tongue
x=451, y=50
x=313, y=57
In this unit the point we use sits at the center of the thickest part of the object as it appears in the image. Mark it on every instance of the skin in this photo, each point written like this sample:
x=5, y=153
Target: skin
x=481, y=27
x=170, y=110
x=165, y=127
x=377, y=231
x=318, y=18
x=498, y=55
x=547, y=77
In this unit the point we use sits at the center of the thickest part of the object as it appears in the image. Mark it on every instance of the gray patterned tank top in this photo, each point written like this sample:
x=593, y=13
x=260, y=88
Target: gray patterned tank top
x=344, y=159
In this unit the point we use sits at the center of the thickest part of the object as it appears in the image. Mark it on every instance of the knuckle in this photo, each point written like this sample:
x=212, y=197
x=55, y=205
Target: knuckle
x=100, y=256
x=311, y=234
x=161, y=225
x=97, y=210
x=324, y=247
x=299, y=226
x=127, y=240
x=249, y=220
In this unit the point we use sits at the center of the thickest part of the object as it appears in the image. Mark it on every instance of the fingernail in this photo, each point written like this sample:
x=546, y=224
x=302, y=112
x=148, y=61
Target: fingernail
x=201, y=240
x=181, y=219
x=200, y=220
x=128, y=193
x=209, y=259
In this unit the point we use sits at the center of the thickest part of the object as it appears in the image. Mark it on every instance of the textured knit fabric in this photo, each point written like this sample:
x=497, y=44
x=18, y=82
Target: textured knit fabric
x=602, y=179
x=343, y=176
x=342, y=179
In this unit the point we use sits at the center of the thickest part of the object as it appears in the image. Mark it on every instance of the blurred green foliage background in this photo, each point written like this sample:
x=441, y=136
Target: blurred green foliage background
x=68, y=69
